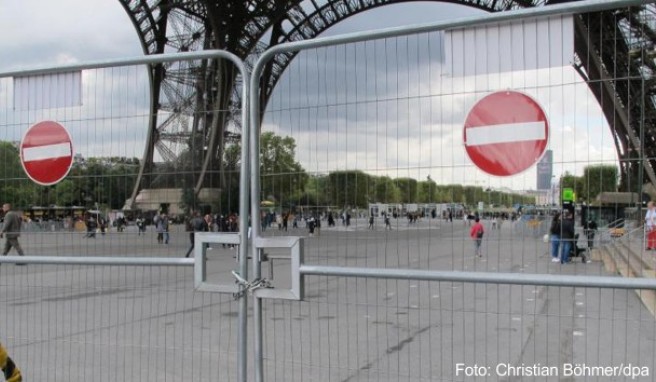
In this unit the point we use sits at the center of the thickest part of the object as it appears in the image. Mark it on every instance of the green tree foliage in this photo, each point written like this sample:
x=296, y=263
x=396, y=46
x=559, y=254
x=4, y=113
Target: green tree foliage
x=14, y=185
x=11, y=167
x=106, y=182
x=572, y=181
x=348, y=188
x=281, y=175
x=103, y=182
x=64, y=192
x=232, y=170
x=408, y=189
x=384, y=190
x=314, y=194
x=597, y=179
x=342, y=186
x=427, y=192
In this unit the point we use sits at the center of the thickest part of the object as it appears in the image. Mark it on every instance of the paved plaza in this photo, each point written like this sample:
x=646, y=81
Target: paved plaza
x=81, y=323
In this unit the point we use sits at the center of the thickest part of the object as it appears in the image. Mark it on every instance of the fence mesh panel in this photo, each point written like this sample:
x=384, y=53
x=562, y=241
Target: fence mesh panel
x=141, y=323
x=364, y=150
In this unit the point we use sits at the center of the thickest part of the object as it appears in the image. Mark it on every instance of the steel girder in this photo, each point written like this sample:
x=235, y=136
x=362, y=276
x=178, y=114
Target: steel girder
x=616, y=56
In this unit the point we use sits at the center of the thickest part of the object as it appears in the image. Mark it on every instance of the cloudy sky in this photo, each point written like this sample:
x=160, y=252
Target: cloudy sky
x=386, y=107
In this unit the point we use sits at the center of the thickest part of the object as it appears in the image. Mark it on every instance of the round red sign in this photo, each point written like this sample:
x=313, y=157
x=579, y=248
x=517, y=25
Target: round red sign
x=505, y=133
x=46, y=153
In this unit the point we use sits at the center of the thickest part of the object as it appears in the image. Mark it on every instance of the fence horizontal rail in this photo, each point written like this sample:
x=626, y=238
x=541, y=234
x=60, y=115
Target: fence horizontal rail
x=154, y=59
x=482, y=277
x=69, y=260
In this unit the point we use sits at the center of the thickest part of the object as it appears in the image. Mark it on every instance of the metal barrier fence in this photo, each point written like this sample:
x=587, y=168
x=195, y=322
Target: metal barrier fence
x=354, y=126
x=104, y=291
x=377, y=121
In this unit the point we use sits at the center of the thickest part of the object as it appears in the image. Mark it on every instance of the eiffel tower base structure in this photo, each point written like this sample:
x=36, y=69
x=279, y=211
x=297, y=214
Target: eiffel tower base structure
x=171, y=199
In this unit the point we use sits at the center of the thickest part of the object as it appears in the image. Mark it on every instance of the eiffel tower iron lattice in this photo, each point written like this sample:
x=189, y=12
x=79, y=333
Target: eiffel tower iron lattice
x=619, y=74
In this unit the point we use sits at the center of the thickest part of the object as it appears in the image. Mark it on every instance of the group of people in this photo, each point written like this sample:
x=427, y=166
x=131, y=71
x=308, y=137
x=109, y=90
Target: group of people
x=386, y=219
x=93, y=222
x=206, y=223
x=562, y=236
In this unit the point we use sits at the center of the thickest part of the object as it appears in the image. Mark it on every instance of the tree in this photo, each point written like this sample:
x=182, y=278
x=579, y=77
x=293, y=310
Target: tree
x=428, y=192
x=348, y=188
x=408, y=189
x=571, y=181
x=14, y=185
x=314, y=192
x=281, y=175
x=597, y=179
x=65, y=193
x=385, y=190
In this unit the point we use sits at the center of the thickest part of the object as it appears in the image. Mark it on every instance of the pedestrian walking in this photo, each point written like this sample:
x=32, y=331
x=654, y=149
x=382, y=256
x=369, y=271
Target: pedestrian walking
x=371, y=222
x=141, y=226
x=12, y=229
x=162, y=228
x=92, y=226
x=476, y=232
x=195, y=224
x=310, y=225
x=159, y=228
x=566, y=236
x=650, y=226
x=590, y=233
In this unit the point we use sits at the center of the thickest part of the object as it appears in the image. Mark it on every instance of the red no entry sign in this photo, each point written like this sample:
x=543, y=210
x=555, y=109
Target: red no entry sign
x=46, y=153
x=505, y=133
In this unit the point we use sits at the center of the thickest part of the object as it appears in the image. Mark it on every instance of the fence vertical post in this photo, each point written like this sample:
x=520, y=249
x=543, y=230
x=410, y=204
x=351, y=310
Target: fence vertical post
x=254, y=109
x=243, y=227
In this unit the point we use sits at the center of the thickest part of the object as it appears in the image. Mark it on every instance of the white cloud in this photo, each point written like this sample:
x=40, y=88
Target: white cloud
x=38, y=32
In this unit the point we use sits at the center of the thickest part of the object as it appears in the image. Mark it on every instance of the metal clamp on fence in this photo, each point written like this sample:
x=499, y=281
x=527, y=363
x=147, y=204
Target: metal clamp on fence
x=200, y=264
x=263, y=288
x=248, y=287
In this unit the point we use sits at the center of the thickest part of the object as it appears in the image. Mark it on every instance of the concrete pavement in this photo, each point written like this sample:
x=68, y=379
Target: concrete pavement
x=80, y=323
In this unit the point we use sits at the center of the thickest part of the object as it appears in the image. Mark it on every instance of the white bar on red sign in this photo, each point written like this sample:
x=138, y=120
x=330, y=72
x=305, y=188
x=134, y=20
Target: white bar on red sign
x=47, y=152
x=505, y=133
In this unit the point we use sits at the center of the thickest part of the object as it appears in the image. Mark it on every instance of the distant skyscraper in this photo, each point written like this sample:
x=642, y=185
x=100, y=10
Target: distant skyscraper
x=545, y=171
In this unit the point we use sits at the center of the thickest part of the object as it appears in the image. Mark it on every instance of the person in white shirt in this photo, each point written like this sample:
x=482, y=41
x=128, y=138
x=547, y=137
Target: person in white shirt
x=650, y=226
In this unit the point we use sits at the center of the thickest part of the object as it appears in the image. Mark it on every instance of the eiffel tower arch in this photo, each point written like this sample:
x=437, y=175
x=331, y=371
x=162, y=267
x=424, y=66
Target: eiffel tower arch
x=608, y=46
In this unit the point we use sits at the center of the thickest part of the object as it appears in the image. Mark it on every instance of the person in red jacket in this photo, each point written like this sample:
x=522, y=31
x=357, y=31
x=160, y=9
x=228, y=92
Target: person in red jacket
x=476, y=233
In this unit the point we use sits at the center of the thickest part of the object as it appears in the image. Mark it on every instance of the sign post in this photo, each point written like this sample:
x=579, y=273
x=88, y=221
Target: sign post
x=505, y=133
x=46, y=153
